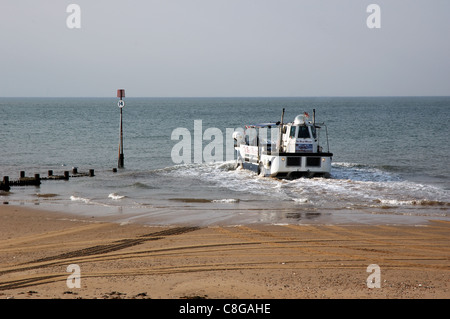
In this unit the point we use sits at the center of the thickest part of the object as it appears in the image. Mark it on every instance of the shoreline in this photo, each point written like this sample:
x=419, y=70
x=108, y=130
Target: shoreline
x=254, y=261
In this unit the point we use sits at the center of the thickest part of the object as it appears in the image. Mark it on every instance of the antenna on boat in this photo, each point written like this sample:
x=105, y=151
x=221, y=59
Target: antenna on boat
x=314, y=117
x=280, y=133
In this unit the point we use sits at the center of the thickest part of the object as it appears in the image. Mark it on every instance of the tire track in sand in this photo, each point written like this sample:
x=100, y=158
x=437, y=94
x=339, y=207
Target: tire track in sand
x=243, y=248
x=89, y=251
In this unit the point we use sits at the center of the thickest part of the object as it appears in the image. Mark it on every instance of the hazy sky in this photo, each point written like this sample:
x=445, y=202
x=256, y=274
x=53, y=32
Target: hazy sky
x=184, y=48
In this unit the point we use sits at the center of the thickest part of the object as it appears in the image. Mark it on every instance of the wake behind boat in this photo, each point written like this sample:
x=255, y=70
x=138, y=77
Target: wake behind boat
x=297, y=152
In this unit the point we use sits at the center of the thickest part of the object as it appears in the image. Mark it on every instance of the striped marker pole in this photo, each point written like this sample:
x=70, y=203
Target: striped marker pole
x=121, y=104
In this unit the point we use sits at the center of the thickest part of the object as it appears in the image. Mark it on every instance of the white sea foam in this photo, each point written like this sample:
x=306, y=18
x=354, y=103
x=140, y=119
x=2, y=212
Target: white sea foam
x=301, y=200
x=359, y=172
x=395, y=202
x=225, y=201
x=115, y=196
x=79, y=199
x=352, y=185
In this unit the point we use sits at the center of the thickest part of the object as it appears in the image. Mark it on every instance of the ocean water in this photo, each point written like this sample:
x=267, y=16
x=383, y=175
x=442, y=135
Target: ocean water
x=390, y=163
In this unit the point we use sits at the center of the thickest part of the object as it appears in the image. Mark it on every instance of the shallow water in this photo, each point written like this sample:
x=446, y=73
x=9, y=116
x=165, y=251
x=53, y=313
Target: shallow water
x=389, y=163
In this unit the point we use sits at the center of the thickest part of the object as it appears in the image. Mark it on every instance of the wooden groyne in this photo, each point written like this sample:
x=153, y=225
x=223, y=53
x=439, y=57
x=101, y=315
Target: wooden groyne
x=6, y=183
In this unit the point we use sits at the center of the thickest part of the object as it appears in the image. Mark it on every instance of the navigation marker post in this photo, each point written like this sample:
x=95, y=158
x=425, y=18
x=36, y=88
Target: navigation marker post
x=121, y=104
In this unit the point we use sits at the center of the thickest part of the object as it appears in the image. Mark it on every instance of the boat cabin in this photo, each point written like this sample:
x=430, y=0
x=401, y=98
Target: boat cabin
x=300, y=136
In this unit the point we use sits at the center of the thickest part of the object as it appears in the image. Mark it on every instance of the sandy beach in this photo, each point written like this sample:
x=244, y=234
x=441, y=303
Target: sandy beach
x=247, y=261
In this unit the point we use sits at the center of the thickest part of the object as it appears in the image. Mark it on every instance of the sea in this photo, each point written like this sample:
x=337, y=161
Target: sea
x=390, y=160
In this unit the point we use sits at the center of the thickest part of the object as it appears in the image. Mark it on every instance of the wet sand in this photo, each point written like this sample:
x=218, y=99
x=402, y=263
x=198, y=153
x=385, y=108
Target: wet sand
x=248, y=261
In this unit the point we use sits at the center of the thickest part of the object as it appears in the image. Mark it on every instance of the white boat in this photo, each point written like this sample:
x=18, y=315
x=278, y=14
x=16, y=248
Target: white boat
x=284, y=150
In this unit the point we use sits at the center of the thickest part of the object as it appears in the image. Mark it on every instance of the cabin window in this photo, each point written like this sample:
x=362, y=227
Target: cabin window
x=303, y=132
x=292, y=133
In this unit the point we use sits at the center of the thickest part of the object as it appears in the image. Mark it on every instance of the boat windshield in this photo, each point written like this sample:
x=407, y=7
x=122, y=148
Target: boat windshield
x=303, y=132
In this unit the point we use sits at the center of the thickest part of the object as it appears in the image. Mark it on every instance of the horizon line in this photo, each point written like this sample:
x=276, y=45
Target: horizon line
x=225, y=97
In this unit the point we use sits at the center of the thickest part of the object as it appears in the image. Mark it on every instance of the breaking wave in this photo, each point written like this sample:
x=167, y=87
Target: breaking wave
x=351, y=185
x=359, y=172
x=115, y=196
x=79, y=199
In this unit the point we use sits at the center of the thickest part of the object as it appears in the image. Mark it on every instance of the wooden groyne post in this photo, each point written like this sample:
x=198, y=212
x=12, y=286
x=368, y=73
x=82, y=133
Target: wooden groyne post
x=6, y=183
x=25, y=181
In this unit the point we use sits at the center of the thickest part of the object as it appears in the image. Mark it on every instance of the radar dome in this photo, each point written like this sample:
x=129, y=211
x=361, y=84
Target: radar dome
x=299, y=119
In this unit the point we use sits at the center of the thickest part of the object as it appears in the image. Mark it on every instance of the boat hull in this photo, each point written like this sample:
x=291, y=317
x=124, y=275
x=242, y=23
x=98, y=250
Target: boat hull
x=289, y=165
